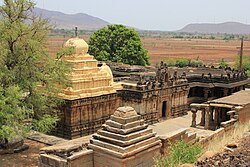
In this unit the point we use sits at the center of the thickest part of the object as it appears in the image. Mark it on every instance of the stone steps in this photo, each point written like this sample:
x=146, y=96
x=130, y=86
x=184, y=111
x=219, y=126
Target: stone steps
x=125, y=137
x=123, y=143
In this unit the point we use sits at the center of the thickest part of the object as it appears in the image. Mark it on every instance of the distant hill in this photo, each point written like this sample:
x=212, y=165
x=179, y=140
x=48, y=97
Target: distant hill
x=69, y=21
x=227, y=27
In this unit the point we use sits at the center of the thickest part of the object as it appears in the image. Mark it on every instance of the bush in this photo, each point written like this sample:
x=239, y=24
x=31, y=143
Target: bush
x=170, y=62
x=248, y=73
x=180, y=153
x=223, y=63
x=196, y=63
x=245, y=63
x=182, y=62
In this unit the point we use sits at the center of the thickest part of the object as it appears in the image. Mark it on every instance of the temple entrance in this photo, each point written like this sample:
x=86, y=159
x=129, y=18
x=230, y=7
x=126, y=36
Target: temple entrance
x=164, y=109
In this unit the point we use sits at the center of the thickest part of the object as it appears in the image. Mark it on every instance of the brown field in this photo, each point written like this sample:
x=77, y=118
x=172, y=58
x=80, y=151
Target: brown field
x=209, y=51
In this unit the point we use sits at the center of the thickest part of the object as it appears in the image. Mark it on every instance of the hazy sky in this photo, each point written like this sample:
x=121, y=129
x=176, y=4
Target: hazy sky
x=156, y=14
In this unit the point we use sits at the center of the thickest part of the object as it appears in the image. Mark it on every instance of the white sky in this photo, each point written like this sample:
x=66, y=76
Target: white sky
x=156, y=14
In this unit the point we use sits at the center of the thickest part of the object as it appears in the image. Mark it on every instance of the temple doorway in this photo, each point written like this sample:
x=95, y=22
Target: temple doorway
x=164, y=109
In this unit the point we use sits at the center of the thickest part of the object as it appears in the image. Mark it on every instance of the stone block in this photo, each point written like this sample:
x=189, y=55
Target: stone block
x=124, y=131
x=133, y=124
x=126, y=137
x=125, y=112
x=113, y=124
x=125, y=120
x=85, y=155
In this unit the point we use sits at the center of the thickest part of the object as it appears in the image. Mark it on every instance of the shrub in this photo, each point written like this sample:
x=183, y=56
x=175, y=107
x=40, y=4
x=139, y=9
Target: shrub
x=245, y=63
x=170, y=62
x=248, y=73
x=223, y=63
x=180, y=152
x=196, y=63
x=182, y=62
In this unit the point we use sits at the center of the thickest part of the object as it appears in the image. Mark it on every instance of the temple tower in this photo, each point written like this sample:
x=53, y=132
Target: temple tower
x=86, y=78
x=91, y=96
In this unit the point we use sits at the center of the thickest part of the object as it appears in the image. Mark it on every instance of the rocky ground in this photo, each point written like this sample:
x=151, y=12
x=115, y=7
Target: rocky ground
x=234, y=155
x=27, y=158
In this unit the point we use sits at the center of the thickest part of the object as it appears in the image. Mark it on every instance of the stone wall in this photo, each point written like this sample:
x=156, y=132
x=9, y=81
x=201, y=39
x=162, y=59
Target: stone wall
x=146, y=104
x=71, y=153
x=170, y=138
x=244, y=114
x=82, y=158
x=85, y=116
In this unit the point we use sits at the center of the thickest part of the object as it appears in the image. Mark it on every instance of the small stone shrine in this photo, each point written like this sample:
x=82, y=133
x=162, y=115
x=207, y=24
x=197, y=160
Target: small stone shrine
x=124, y=141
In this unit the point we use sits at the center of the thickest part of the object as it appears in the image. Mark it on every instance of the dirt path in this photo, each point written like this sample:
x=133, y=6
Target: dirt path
x=232, y=157
x=28, y=158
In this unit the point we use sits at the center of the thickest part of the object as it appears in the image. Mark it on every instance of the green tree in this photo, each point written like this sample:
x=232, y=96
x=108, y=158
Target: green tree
x=117, y=43
x=27, y=73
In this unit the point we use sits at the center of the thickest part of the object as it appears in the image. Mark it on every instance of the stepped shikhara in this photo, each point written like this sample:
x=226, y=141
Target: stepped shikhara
x=125, y=140
x=91, y=96
x=86, y=78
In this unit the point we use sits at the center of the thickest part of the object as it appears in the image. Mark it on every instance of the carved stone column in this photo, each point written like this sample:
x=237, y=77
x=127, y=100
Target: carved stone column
x=192, y=92
x=219, y=116
x=207, y=118
x=194, y=111
x=212, y=92
x=212, y=115
x=202, y=123
x=216, y=118
x=225, y=92
x=206, y=90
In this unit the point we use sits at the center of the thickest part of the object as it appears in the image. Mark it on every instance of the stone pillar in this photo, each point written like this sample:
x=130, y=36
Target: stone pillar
x=223, y=114
x=219, y=116
x=216, y=118
x=206, y=90
x=212, y=92
x=194, y=111
x=207, y=118
x=192, y=92
x=212, y=115
x=202, y=123
x=231, y=114
x=225, y=92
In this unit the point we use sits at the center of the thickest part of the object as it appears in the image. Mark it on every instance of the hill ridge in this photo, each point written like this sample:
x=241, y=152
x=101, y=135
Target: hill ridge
x=225, y=27
x=68, y=21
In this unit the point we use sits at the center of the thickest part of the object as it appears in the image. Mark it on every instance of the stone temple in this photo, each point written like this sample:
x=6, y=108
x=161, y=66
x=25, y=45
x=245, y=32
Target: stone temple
x=91, y=97
x=155, y=94
x=115, y=103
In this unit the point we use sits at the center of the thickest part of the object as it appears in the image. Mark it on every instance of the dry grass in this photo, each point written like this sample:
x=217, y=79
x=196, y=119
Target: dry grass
x=218, y=144
x=209, y=51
